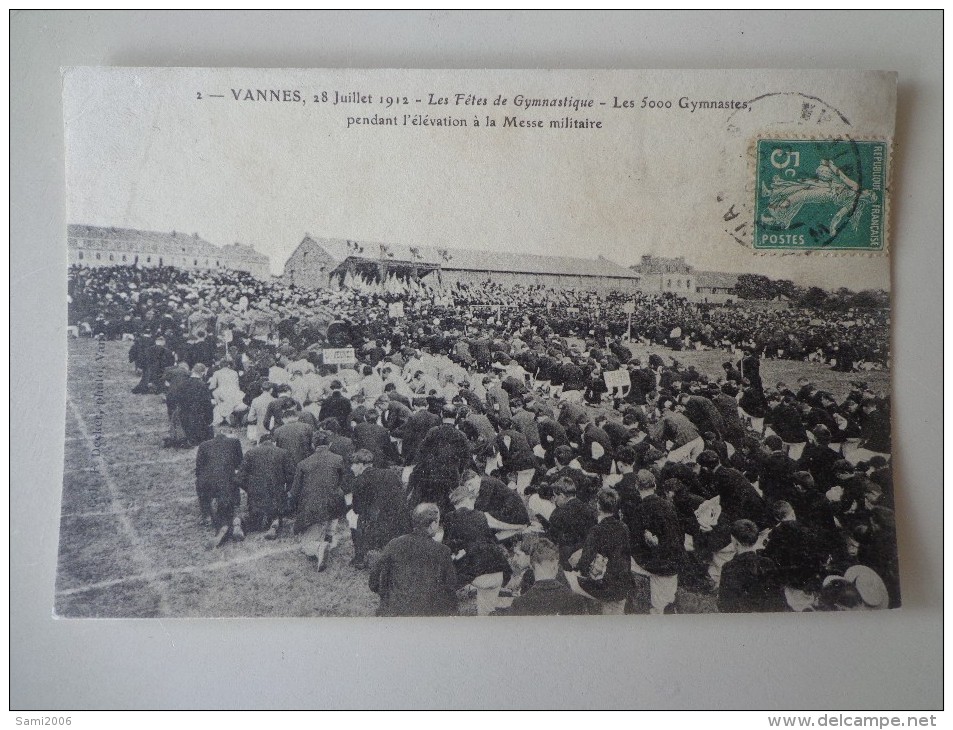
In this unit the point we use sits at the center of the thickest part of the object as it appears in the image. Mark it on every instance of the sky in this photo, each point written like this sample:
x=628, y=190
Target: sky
x=143, y=151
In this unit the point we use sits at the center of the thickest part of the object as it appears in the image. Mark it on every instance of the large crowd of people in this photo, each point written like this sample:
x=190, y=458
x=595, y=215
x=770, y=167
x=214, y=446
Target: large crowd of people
x=506, y=444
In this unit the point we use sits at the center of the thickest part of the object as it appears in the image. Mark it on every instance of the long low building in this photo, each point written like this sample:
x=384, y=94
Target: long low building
x=102, y=246
x=676, y=276
x=322, y=262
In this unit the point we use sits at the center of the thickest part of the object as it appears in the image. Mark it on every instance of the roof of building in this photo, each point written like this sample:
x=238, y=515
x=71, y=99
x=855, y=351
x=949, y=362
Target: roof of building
x=662, y=265
x=716, y=279
x=173, y=242
x=471, y=260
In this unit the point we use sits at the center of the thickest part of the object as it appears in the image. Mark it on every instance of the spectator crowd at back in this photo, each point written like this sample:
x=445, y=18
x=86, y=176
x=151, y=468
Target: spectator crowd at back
x=506, y=446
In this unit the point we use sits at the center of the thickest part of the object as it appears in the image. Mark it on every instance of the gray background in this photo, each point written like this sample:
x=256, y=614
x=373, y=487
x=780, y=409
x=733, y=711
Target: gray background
x=870, y=661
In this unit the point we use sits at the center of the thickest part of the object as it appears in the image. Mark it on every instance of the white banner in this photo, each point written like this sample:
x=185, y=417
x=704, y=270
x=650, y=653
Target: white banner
x=339, y=356
x=617, y=379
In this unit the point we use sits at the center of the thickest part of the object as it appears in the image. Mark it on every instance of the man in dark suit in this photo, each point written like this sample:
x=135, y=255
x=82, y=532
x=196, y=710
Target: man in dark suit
x=819, y=458
x=415, y=430
x=548, y=596
x=785, y=420
x=566, y=466
x=442, y=458
x=415, y=575
x=370, y=435
x=336, y=406
x=703, y=413
x=265, y=474
x=191, y=403
x=154, y=361
x=551, y=436
x=318, y=499
x=524, y=421
x=726, y=401
x=605, y=565
x=749, y=581
x=216, y=462
x=380, y=503
x=294, y=436
x=571, y=522
x=496, y=499
x=516, y=454
x=739, y=498
x=658, y=542
x=875, y=427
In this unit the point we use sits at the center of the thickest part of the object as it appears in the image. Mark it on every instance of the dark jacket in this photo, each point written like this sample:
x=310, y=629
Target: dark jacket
x=525, y=423
x=467, y=530
x=875, y=432
x=442, y=457
x=266, y=474
x=749, y=583
x=569, y=526
x=316, y=489
x=193, y=401
x=704, y=414
x=728, y=408
x=295, y=438
x=776, y=473
x=819, y=460
x=376, y=439
x=414, y=431
x=739, y=499
x=609, y=538
x=381, y=505
x=215, y=464
x=336, y=406
x=785, y=421
x=674, y=427
x=415, y=577
x=518, y=455
x=551, y=434
x=657, y=516
x=501, y=502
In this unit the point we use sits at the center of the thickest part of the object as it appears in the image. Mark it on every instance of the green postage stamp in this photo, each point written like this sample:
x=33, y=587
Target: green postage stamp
x=814, y=195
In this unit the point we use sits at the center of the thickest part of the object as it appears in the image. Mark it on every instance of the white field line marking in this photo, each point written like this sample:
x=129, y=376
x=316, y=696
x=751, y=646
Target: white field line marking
x=139, y=553
x=187, y=570
x=140, y=430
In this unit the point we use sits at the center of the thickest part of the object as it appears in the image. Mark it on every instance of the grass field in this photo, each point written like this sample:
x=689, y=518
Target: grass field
x=131, y=542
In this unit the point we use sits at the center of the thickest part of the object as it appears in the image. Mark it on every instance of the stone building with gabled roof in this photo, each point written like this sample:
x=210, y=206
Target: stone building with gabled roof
x=320, y=262
x=109, y=246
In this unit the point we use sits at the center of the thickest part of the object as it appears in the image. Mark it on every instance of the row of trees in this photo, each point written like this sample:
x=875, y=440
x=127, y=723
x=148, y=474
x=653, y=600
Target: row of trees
x=757, y=286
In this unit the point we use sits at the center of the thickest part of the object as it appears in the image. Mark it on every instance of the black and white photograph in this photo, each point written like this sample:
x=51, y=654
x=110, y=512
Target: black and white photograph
x=447, y=360
x=412, y=343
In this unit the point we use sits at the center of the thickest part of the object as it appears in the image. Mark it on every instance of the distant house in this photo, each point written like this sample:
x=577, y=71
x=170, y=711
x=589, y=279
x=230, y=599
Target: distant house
x=320, y=262
x=660, y=274
x=716, y=286
x=102, y=246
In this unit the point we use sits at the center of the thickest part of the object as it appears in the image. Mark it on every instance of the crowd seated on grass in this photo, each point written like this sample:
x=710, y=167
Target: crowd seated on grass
x=505, y=444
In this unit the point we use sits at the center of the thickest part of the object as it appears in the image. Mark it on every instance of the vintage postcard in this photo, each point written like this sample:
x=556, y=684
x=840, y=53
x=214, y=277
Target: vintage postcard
x=477, y=343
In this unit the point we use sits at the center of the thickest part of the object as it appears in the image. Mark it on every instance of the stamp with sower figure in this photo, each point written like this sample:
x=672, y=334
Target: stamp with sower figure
x=816, y=194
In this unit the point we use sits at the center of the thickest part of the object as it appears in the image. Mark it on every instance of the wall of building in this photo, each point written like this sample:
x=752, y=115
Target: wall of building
x=582, y=283
x=309, y=266
x=711, y=297
x=95, y=252
x=682, y=283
